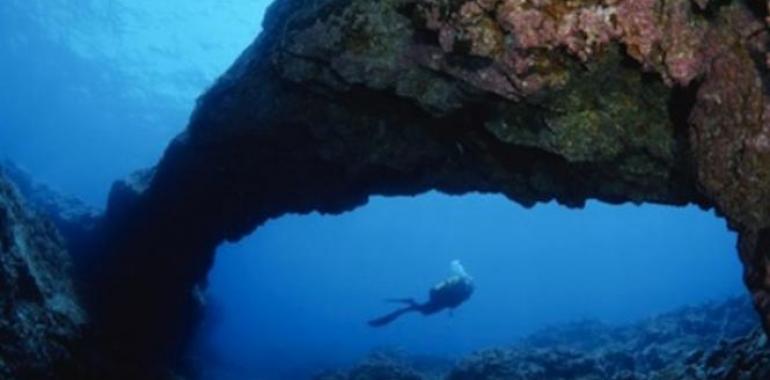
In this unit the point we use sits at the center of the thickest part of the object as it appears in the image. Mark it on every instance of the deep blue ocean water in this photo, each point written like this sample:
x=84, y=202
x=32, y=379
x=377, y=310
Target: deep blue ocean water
x=299, y=290
x=93, y=90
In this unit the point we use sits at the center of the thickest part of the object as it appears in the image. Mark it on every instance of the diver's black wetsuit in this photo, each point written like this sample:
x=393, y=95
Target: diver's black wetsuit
x=446, y=295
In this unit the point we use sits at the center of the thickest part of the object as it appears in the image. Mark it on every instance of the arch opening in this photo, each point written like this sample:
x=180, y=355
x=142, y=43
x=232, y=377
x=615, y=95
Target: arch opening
x=292, y=299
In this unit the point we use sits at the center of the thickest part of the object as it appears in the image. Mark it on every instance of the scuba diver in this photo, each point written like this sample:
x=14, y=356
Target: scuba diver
x=447, y=294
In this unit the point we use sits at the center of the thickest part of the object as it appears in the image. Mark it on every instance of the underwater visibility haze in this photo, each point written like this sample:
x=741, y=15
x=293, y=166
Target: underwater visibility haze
x=460, y=278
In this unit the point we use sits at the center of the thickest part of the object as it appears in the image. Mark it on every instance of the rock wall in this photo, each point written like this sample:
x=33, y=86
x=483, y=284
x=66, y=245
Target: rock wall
x=40, y=317
x=618, y=100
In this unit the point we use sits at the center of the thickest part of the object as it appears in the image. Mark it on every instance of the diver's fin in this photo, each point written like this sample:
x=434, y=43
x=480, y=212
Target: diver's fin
x=386, y=319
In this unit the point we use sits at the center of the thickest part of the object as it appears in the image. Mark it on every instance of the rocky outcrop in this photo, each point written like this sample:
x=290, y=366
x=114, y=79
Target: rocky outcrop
x=746, y=357
x=716, y=341
x=376, y=366
x=671, y=336
x=618, y=100
x=392, y=364
x=74, y=219
x=711, y=341
x=743, y=358
x=40, y=316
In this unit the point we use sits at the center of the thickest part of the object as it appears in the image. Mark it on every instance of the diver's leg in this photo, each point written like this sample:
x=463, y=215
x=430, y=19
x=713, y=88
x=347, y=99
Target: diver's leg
x=407, y=301
x=386, y=319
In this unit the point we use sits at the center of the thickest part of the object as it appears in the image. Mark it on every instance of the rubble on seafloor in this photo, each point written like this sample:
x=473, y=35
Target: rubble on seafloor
x=708, y=342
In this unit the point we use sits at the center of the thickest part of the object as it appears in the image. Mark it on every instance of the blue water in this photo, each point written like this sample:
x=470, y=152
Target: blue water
x=93, y=90
x=105, y=84
x=304, y=284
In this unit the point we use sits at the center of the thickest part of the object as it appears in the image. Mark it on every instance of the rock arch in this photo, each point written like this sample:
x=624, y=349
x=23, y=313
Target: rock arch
x=621, y=101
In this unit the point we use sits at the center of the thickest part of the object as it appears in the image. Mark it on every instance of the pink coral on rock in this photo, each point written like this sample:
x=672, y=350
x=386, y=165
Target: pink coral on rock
x=663, y=36
x=641, y=33
x=683, y=45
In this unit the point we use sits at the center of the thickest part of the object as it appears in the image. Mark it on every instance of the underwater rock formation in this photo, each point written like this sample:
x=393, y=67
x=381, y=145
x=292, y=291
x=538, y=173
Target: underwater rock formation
x=715, y=341
x=392, y=364
x=528, y=365
x=655, y=343
x=665, y=347
x=746, y=357
x=41, y=320
x=743, y=358
x=376, y=366
x=617, y=100
x=74, y=219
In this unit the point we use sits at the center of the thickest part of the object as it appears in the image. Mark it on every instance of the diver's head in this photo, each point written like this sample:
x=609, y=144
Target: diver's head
x=458, y=269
